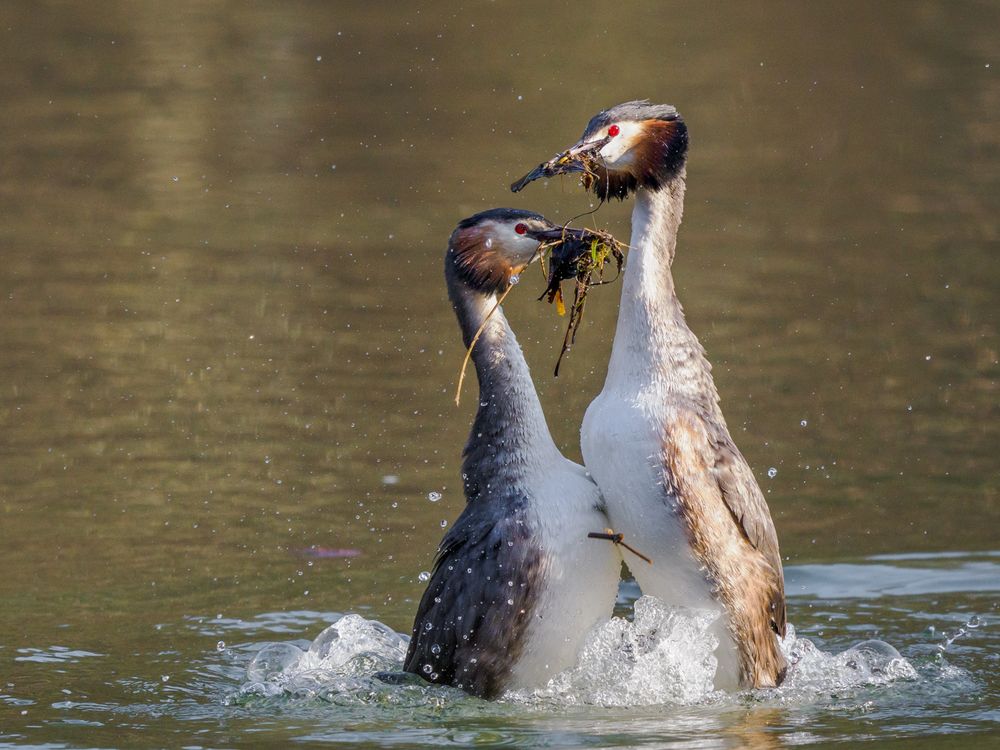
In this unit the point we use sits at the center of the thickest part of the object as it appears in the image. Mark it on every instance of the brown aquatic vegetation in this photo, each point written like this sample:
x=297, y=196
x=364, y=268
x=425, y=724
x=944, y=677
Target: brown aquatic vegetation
x=581, y=257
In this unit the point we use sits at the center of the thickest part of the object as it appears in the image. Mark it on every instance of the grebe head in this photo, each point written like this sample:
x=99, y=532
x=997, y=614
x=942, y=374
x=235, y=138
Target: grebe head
x=631, y=145
x=489, y=249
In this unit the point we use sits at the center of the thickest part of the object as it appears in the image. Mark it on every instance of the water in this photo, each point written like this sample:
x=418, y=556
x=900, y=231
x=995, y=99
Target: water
x=227, y=364
x=866, y=663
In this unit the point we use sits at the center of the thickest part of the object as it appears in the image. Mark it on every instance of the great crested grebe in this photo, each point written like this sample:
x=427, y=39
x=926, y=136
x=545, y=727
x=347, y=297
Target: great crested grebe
x=516, y=584
x=655, y=440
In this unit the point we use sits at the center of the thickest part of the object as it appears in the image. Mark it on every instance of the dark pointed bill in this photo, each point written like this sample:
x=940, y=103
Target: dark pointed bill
x=574, y=159
x=555, y=233
x=561, y=164
x=534, y=174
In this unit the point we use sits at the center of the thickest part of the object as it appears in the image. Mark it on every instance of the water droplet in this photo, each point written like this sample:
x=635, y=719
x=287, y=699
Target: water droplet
x=510, y=602
x=428, y=627
x=772, y=473
x=488, y=243
x=433, y=496
x=443, y=523
x=424, y=576
x=804, y=423
x=428, y=669
x=165, y=678
x=974, y=622
x=220, y=646
x=514, y=279
x=435, y=649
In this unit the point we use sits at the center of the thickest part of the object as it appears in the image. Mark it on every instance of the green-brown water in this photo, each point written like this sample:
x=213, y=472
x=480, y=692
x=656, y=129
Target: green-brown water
x=224, y=339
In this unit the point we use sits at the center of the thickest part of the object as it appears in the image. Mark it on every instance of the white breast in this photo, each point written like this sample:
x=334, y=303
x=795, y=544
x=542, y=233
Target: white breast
x=622, y=449
x=582, y=575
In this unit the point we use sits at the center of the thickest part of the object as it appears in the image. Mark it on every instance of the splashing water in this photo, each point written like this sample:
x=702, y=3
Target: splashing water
x=813, y=673
x=664, y=656
x=974, y=622
x=343, y=660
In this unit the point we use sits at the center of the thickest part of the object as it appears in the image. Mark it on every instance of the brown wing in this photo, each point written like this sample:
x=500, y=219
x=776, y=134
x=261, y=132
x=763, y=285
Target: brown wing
x=732, y=536
x=745, y=501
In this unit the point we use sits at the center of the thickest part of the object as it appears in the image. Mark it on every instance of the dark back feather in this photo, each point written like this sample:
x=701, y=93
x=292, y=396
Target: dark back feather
x=470, y=625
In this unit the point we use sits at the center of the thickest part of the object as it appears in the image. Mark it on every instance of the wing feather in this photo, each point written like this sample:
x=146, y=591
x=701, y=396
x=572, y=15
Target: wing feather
x=696, y=445
x=470, y=624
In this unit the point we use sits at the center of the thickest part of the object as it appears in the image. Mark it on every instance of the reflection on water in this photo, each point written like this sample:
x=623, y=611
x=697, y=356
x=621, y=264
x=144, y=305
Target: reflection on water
x=225, y=341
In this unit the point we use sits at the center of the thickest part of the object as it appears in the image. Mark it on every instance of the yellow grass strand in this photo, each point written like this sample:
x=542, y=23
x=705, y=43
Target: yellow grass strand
x=468, y=352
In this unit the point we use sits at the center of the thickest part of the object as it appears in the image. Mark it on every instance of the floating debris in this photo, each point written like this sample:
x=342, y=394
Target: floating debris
x=328, y=552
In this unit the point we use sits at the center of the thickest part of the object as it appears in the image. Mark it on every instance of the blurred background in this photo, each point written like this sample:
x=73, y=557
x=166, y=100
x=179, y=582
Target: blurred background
x=226, y=356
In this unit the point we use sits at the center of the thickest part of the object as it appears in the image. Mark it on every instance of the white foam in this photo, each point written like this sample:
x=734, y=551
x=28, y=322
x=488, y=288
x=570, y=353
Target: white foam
x=813, y=672
x=664, y=656
x=342, y=658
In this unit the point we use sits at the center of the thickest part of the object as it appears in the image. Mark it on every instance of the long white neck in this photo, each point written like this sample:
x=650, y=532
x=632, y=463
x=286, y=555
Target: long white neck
x=654, y=351
x=509, y=438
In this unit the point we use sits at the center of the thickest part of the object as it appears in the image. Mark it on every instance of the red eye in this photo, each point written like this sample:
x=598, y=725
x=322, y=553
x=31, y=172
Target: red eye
x=521, y=229
x=614, y=130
